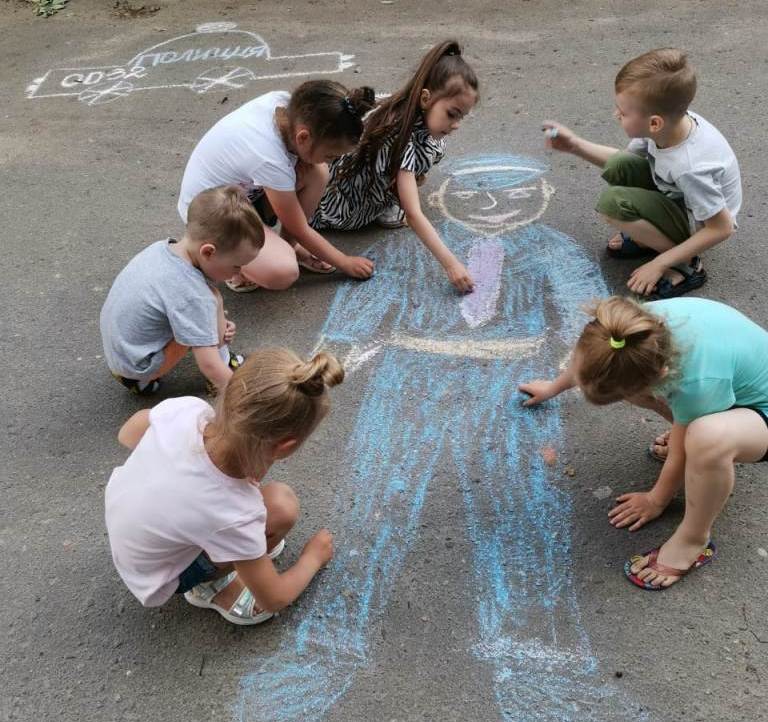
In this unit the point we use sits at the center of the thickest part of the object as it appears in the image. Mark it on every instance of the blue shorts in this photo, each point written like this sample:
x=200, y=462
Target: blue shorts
x=202, y=569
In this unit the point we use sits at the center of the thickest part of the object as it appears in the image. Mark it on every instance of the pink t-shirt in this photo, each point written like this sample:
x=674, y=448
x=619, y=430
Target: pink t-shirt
x=168, y=502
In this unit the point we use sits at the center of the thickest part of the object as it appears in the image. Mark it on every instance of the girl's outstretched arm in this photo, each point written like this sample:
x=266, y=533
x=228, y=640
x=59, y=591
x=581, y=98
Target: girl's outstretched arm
x=638, y=508
x=287, y=208
x=132, y=430
x=542, y=390
x=408, y=191
x=272, y=590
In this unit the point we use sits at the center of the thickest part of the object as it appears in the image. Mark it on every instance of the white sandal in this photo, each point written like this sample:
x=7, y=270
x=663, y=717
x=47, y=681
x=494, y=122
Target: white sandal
x=243, y=610
x=241, y=286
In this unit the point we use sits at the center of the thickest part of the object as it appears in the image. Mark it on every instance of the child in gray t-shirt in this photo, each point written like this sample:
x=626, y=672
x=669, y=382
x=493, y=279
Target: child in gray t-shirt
x=164, y=302
x=677, y=190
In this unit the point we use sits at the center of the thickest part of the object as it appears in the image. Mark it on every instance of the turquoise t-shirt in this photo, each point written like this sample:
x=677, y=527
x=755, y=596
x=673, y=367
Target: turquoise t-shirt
x=723, y=358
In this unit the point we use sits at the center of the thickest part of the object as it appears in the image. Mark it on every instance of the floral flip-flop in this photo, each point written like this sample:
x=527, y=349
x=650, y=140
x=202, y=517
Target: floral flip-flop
x=705, y=557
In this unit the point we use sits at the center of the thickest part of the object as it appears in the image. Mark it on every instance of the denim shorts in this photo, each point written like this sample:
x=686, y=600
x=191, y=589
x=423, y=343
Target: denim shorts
x=202, y=569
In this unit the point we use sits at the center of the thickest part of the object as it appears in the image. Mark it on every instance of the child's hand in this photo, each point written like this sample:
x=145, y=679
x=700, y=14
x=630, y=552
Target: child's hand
x=320, y=548
x=559, y=137
x=459, y=277
x=643, y=279
x=636, y=508
x=229, y=331
x=357, y=267
x=539, y=391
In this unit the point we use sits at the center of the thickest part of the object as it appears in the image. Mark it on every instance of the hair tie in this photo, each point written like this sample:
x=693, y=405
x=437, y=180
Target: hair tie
x=349, y=106
x=620, y=343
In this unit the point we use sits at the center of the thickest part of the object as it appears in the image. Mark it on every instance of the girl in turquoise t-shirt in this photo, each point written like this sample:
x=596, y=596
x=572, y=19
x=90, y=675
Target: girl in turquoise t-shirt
x=702, y=365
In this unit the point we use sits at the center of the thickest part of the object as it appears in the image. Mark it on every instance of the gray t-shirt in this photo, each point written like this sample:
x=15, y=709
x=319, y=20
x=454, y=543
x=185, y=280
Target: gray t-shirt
x=156, y=298
x=702, y=171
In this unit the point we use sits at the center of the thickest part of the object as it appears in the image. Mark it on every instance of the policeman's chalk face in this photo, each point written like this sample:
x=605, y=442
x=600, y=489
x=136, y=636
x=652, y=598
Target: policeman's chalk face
x=493, y=201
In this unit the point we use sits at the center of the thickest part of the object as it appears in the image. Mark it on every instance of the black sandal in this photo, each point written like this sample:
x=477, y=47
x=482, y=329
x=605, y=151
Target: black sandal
x=629, y=249
x=693, y=278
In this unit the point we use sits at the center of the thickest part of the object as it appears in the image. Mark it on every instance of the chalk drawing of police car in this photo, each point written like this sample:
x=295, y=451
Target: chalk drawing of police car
x=217, y=56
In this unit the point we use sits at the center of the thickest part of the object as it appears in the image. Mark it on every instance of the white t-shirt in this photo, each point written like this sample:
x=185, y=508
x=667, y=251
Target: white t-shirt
x=702, y=171
x=244, y=148
x=169, y=502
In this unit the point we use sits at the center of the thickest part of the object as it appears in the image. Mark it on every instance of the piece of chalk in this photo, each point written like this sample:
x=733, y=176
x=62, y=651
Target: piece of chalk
x=551, y=133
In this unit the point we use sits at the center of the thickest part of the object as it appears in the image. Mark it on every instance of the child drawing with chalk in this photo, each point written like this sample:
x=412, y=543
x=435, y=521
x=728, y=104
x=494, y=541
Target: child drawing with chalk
x=164, y=303
x=277, y=147
x=187, y=512
x=669, y=356
x=676, y=191
x=403, y=138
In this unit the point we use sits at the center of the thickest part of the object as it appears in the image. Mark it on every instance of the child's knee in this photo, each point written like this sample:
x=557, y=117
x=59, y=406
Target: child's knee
x=282, y=505
x=706, y=440
x=282, y=275
x=620, y=167
x=612, y=205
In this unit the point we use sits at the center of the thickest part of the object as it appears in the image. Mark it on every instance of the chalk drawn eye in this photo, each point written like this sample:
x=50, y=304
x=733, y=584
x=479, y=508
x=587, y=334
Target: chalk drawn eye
x=465, y=195
x=518, y=193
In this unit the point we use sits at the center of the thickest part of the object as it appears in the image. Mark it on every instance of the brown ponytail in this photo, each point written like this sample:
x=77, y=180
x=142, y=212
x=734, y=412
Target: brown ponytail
x=273, y=396
x=623, y=351
x=444, y=72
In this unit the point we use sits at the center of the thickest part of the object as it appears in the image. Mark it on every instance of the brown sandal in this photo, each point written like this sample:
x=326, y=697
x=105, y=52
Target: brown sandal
x=704, y=558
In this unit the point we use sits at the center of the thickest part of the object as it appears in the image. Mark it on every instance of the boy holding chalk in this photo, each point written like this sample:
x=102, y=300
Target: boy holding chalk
x=676, y=190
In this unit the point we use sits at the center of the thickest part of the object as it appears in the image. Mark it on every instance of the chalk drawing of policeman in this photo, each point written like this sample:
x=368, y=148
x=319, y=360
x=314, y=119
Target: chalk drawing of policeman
x=215, y=57
x=442, y=370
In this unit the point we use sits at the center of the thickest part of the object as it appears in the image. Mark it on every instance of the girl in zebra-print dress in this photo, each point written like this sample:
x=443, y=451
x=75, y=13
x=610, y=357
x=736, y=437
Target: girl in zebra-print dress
x=403, y=138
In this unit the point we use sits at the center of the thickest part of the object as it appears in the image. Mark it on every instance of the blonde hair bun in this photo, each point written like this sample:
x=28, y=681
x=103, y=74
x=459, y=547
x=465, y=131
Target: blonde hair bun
x=313, y=376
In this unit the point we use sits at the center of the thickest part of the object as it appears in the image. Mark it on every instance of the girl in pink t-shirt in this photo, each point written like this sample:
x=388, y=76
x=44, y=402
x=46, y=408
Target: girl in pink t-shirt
x=186, y=512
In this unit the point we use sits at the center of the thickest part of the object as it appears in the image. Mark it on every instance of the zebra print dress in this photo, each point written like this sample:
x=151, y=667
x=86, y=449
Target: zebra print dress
x=351, y=203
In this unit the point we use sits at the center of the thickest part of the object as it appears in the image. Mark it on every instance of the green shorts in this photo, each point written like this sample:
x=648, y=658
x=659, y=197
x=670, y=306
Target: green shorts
x=634, y=196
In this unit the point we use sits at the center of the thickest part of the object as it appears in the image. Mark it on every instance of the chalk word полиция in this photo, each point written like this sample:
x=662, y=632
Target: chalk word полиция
x=217, y=56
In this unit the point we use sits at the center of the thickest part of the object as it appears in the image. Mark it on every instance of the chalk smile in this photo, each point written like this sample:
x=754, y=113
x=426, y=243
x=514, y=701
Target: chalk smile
x=497, y=219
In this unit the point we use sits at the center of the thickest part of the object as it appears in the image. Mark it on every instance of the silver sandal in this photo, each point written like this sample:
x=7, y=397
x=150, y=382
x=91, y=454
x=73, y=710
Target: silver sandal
x=243, y=611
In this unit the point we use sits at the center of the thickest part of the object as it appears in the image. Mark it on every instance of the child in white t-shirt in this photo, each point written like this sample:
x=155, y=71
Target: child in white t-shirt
x=277, y=147
x=186, y=513
x=676, y=192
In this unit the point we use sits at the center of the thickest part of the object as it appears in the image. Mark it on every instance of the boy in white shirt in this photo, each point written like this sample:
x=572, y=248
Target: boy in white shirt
x=164, y=302
x=677, y=190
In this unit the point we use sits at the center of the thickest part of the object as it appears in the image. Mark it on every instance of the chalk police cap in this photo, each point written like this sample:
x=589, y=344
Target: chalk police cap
x=221, y=27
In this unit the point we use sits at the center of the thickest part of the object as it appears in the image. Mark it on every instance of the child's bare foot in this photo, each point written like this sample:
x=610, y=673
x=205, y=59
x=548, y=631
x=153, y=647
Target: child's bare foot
x=240, y=284
x=230, y=598
x=660, y=447
x=622, y=246
x=311, y=262
x=665, y=566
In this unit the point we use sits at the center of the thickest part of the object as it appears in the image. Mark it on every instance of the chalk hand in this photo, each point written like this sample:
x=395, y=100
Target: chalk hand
x=539, y=391
x=319, y=548
x=558, y=136
x=357, y=267
x=229, y=331
x=459, y=277
x=635, y=508
x=643, y=279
